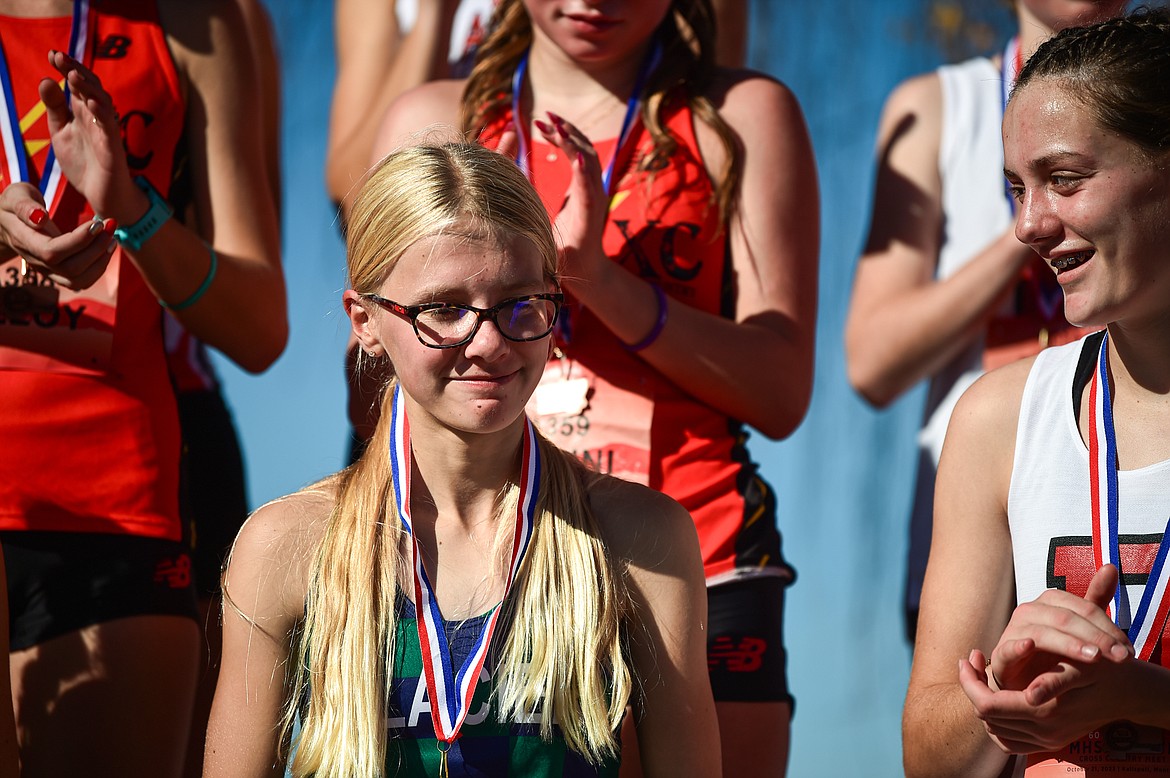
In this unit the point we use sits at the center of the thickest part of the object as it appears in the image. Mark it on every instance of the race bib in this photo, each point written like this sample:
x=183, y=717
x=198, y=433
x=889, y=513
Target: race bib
x=44, y=327
x=1119, y=749
x=607, y=427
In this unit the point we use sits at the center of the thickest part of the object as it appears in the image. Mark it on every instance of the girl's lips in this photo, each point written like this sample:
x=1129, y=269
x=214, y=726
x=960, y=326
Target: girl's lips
x=486, y=379
x=591, y=23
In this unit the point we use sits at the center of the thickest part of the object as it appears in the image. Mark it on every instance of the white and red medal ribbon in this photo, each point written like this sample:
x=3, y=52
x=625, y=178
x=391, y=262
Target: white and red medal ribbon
x=451, y=692
x=15, y=156
x=1146, y=623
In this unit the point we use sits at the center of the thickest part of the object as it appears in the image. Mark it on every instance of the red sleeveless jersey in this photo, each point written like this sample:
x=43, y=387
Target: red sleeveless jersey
x=88, y=418
x=615, y=411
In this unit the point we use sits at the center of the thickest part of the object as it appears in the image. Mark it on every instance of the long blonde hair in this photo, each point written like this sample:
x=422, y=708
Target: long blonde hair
x=687, y=35
x=562, y=652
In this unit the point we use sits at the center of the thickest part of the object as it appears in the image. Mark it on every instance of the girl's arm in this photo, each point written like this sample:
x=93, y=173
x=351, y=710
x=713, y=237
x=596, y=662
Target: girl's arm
x=244, y=311
x=951, y=726
x=904, y=325
x=264, y=591
x=678, y=733
x=267, y=62
x=969, y=590
x=235, y=297
x=758, y=366
x=376, y=62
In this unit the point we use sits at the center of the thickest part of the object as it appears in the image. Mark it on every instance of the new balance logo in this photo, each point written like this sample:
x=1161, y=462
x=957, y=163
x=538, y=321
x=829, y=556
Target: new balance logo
x=743, y=656
x=175, y=573
x=112, y=47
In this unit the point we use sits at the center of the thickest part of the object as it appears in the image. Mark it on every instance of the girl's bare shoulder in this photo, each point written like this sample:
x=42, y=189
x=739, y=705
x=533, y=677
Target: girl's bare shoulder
x=272, y=557
x=641, y=526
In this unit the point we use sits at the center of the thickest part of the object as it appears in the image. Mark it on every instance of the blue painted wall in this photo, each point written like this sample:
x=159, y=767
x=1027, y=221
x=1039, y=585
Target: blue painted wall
x=843, y=479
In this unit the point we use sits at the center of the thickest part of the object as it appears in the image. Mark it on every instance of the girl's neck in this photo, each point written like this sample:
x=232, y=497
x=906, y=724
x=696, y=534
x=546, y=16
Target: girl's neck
x=36, y=9
x=576, y=90
x=1138, y=358
x=1032, y=32
x=460, y=476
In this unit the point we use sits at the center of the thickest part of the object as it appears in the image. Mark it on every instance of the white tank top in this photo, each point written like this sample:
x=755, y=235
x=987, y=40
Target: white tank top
x=975, y=211
x=1048, y=501
x=1052, y=541
x=471, y=17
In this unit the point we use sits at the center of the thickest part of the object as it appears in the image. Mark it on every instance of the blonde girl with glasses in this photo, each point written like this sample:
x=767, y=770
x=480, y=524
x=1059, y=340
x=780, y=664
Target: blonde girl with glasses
x=466, y=599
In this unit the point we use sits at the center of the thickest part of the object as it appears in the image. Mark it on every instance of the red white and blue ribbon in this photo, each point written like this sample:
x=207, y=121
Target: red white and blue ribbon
x=451, y=691
x=1146, y=624
x=15, y=156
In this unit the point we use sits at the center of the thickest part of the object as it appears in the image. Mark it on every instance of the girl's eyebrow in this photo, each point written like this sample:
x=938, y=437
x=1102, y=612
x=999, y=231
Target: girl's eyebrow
x=1054, y=158
x=1050, y=160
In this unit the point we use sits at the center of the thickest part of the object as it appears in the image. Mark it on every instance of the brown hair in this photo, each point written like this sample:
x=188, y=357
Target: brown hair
x=1119, y=70
x=687, y=36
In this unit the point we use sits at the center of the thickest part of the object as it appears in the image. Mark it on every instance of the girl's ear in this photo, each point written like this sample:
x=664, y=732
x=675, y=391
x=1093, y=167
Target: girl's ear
x=361, y=321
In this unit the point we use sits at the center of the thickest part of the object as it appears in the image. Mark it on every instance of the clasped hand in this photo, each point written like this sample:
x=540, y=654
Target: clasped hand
x=86, y=140
x=1059, y=666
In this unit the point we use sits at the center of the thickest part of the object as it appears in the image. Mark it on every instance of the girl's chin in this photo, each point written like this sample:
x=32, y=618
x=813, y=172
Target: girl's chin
x=486, y=416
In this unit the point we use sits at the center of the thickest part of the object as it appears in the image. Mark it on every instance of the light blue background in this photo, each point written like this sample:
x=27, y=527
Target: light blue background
x=843, y=479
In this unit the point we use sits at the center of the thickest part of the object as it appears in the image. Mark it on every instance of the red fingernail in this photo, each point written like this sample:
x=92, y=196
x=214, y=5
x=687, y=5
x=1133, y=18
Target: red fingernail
x=580, y=159
x=37, y=216
x=545, y=128
x=110, y=226
x=563, y=132
x=558, y=121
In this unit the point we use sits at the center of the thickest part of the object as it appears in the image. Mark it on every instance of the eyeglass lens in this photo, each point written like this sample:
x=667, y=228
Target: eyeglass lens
x=516, y=320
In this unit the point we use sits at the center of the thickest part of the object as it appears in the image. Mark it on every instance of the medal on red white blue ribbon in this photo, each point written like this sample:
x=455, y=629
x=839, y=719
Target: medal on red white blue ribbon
x=1146, y=623
x=12, y=137
x=451, y=692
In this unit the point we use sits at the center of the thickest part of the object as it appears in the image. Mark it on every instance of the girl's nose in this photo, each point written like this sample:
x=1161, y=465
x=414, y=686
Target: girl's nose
x=1036, y=220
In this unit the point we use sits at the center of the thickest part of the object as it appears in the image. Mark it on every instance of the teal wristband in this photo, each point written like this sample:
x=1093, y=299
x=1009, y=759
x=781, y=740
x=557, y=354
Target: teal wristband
x=133, y=236
x=203, y=287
